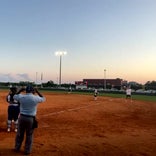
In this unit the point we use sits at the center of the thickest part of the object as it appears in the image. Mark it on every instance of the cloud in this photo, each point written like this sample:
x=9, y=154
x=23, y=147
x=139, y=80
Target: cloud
x=14, y=77
x=6, y=77
x=23, y=77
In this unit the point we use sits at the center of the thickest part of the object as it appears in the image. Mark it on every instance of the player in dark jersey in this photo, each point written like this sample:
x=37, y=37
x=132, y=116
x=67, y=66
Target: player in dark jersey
x=13, y=110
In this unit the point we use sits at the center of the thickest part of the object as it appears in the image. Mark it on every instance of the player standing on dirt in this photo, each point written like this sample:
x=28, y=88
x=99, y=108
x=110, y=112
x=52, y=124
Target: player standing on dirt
x=28, y=110
x=95, y=94
x=13, y=110
x=128, y=92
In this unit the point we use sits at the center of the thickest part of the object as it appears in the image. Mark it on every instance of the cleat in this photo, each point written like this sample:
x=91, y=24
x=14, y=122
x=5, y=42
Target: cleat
x=8, y=130
x=26, y=153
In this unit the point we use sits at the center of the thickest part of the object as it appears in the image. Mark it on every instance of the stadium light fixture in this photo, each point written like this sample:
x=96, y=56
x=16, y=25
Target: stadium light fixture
x=60, y=54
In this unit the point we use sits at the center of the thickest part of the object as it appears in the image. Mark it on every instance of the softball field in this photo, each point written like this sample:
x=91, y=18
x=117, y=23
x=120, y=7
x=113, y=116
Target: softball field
x=77, y=125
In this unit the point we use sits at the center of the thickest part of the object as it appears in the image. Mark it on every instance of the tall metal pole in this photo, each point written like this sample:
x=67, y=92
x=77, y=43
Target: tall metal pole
x=105, y=78
x=60, y=69
x=36, y=78
x=60, y=53
x=41, y=79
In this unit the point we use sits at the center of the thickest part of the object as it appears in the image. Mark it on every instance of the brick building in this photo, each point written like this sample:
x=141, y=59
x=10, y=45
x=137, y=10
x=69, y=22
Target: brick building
x=103, y=83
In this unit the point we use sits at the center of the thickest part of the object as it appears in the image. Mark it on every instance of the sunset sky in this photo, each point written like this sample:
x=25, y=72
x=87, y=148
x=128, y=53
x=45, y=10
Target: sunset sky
x=116, y=35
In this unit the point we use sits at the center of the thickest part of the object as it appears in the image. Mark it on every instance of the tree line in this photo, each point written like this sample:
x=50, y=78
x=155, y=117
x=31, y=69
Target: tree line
x=149, y=85
x=45, y=84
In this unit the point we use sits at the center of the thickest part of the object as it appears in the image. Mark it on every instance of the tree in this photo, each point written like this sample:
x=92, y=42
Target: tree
x=49, y=84
x=150, y=85
x=135, y=85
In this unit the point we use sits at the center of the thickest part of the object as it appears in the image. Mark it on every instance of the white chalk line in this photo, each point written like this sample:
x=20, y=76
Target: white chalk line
x=73, y=109
x=69, y=110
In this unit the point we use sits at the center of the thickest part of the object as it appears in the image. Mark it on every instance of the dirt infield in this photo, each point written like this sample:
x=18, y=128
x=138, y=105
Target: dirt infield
x=76, y=125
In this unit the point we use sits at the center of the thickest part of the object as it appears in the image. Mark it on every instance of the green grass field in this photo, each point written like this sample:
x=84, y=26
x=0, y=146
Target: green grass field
x=151, y=98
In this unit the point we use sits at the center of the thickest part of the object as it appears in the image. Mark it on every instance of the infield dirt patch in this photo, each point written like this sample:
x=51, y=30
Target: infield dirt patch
x=77, y=125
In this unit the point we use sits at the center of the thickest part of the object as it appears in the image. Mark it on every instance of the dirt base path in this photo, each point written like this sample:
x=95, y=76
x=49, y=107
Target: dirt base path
x=77, y=125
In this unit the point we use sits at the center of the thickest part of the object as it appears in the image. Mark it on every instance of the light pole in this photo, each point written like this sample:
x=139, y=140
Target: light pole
x=41, y=79
x=104, y=78
x=36, y=78
x=60, y=53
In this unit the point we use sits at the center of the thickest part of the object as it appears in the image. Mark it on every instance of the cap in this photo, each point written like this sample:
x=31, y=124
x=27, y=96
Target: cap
x=29, y=89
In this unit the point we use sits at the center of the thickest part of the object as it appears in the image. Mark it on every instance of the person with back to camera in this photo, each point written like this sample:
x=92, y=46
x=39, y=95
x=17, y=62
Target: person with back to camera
x=13, y=110
x=28, y=109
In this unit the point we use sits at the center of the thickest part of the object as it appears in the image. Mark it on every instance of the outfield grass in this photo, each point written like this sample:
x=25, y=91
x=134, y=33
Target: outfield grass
x=151, y=98
x=135, y=97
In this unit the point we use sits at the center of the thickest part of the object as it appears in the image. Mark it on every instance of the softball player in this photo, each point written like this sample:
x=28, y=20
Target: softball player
x=95, y=94
x=128, y=93
x=13, y=110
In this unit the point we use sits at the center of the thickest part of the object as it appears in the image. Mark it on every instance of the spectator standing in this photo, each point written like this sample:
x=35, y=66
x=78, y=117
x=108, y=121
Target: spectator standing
x=28, y=109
